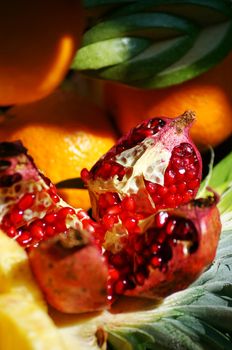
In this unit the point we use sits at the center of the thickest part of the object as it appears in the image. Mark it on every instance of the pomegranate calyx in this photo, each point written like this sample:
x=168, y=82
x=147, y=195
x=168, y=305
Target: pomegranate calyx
x=183, y=121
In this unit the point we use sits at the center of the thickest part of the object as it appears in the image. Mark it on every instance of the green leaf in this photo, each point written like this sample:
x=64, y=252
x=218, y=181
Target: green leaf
x=108, y=52
x=161, y=63
x=221, y=177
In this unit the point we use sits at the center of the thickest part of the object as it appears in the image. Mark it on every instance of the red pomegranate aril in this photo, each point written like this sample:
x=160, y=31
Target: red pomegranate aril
x=172, y=189
x=170, y=226
x=114, y=210
x=36, y=230
x=63, y=212
x=156, y=261
x=50, y=218
x=85, y=174
x=160, y=219
x=16, y=216
x=50, y=231
x=24, y=238
x=190, y=174
x=181, y=187
x=26, y=201
x=193, y=184
x=11, y=231
x=155, y=248
x=109, y=221
x=162, y=190
x=128, y=204
x=120, y=286
x=130, y=224
x=170, y=177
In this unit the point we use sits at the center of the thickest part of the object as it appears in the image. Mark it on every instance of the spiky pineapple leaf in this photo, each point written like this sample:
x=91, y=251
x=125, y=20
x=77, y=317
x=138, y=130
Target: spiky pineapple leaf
x=197, y=318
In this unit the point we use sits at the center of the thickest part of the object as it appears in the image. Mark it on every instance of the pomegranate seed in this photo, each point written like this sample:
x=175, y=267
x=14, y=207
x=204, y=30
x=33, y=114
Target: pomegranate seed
x=109, y=221
x=63, y=212
x=50, y=231
x=156, y=261
x=120, y=286
x=130, y=224
x=181, y=187
x=114, y=210
x=113, y=274
x=85, y=175
x=155, y=248
x=160, y=219
x=16, y=216
x=162, y=190
x=170, y=177
x=26, y=201
x=11, y=231
x=50, y=218
x=24, y=238
x=36, y=231
x=193, y=184
x=128, y=204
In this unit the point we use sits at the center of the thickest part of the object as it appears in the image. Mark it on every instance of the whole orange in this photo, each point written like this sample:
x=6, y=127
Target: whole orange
x=209, y=95
x=38, y=41
x=64, y=133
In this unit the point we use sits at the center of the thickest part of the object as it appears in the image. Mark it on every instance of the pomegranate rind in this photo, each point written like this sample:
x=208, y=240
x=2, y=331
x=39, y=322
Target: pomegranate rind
x=72, y=280
x=184, y=267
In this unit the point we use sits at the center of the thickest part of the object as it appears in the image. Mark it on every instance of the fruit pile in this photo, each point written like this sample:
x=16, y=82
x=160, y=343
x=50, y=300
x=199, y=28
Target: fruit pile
x=150, y=237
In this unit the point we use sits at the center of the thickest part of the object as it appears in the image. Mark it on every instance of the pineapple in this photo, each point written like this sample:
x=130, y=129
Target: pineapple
x=24, y=321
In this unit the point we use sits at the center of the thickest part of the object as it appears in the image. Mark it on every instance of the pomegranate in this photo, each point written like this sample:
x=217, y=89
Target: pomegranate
x=155, y=166
x=82, y=265
x=32, y=212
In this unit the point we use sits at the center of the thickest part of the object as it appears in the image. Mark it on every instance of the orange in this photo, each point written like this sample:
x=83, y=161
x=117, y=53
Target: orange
x=64, y=133
x=38, y=40
x=209, y=95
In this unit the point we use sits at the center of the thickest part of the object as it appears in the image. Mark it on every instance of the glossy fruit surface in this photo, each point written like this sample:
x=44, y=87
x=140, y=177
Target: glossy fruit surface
x=208, y=95
x=38, y=40
x=64, y=133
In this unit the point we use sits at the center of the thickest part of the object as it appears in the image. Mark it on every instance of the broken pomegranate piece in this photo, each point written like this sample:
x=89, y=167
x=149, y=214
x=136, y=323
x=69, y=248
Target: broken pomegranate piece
x=31, y=213
x=156, y=164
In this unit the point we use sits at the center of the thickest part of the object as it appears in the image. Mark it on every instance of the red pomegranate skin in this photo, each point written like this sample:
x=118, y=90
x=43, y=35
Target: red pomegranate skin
x=72, y=280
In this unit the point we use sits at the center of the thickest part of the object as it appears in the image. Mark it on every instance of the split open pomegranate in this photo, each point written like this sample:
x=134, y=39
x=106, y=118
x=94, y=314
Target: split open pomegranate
x=140, y=245
x=155, y=164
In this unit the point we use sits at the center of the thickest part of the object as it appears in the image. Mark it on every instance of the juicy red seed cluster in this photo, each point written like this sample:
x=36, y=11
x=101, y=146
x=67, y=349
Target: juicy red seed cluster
x=107, y=168
x=152, y=250
x=51, y=224
x=112, y=210
x=181, y=179
x=146, y=129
